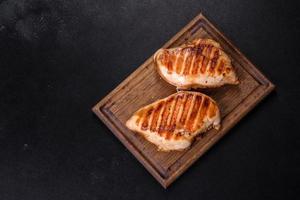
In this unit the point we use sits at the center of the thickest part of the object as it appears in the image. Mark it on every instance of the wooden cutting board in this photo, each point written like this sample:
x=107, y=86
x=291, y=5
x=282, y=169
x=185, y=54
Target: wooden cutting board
x=144, y=86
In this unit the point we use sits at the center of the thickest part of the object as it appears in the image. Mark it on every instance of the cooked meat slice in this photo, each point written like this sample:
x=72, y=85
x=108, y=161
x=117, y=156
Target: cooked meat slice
x=173, y=122
x=199, y=64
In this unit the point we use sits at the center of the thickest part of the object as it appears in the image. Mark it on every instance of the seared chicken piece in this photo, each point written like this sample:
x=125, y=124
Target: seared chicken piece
x=199, y=64
x=173, y=122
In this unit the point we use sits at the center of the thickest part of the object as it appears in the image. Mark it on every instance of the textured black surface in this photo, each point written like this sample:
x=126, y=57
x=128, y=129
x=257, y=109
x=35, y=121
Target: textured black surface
x=58, y=58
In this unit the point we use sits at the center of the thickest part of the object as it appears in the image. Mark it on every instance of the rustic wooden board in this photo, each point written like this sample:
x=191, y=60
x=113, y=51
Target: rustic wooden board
x=144, y=86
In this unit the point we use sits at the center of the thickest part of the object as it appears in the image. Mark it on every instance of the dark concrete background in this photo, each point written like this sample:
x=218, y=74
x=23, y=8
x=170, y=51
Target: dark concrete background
x=59, y=57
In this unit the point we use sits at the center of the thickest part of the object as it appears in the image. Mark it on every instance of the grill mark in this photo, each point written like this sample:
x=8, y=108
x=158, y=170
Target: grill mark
x=197, y=66
x=170, y=63
x=169, y=124
x=146, y=119
x=167, y=127
x=203, y=65
x=205, y=50
x=151, y=118
x=165, y=115
x=212, y=52
x=160, y=117
x=195, y=61
x=203, y=111
x=181, y=111
x=163, y=57
x=174, y=110
x=212, y=110
x=190, y=109
x=194, y=112
x=175, y=59
x=180, y=57
x=209, y=51
x=185, y=111
x=189, y=64
x=220, y=67
x=211, y=67
x=200, y=49
x=186, y=60
x=217, y=54
x=213, y=62
x=172, y=124
x=198, y=114
x=156, y=116
x=198, y=52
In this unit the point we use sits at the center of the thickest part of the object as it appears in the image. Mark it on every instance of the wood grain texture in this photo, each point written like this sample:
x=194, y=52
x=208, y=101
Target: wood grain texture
x=144, y=86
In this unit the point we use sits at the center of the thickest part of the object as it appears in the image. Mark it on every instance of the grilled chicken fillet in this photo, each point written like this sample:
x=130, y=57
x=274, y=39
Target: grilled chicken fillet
x=199, y=64
x=173, y=122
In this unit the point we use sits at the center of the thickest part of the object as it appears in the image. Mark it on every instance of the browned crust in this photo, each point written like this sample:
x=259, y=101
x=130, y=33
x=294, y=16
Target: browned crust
x=215, y=68
x=163, y=117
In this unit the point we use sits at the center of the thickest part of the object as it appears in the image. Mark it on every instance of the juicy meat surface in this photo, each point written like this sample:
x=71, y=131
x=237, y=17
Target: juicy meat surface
x=173, y=122
x=201, y=63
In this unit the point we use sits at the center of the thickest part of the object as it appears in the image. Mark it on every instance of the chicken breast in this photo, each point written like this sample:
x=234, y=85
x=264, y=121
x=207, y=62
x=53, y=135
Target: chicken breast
x=199, y=64
x=173, y=122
